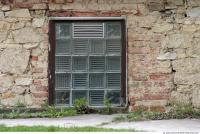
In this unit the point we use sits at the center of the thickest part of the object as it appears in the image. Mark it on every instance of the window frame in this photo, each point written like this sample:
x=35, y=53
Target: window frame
x=51, y=54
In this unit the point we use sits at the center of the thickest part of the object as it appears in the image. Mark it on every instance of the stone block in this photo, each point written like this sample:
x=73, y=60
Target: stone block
x=6, y=81
x=162, y=27
x=180, y=98
x=38, y=22
x=167, y=56
x=23, y=35
x=14, y=60
x=19, y=13
x=20, y=90
x=23, y=81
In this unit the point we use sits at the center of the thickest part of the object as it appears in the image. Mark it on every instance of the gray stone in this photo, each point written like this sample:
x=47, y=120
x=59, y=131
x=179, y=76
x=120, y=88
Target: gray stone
x=14, y=60
x=6, y=8
x=23, y=81
x=194, y=12
x=186, y=79
x=19, y=89
x=38, y=22
x=19, y=13
x=30, y=45
x=28, y=99
x=167, y=56
x=1, y=15
x=3, y=36
x=27, y=35
x=6, y=81
x=10, y=102
x=161, y=28
x=196, y=98
x=182, y=98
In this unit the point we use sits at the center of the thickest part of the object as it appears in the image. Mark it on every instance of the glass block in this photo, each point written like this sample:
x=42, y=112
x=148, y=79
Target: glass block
x=97, y=47
x=113, y=63
x=80, y=46
x=62, y=30
x=113, y=97
x=80, y=81
x=113, y=29
x=79, y=63
x=78, y=94
x=63, y=63
x=113, y=80
x=63, y=46
x=62, y=81
x=113, y=46
x=96, y=80
x=97, y=63
x=96, y=97
x=62, y=97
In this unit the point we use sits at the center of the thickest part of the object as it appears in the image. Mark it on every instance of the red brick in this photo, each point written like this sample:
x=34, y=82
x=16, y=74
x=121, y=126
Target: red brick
x=37, y=82
x=60, y=1
x=111, y=14
x=159, y=76
x=84, y=13
x=161, y=96
x=139, y=77
x=23, y=5
x=37, y=70
x=40, y=94
x=69, y=1
x=34, y=58
x=60, y=13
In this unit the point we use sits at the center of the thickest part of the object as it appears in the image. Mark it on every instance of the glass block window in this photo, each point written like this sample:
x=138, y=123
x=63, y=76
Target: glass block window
x=88, y=60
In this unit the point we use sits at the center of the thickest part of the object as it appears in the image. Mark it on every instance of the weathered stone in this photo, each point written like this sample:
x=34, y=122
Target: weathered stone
x=23, y=81
x=10, y=102
x=4, y=26
x=30, y=45
x=40, y=6
x=3, y=36
x=23, y=35
x=187, y=65
x=19, y=90
x=194, y=12
x=5, y=8
x=6, y=81
x=167, y=56
x=14, y=60
x=190, y=28
x=18, y=25
x=1, y=15
x=19, y=13
x=6, y=95
x=196, y=98
x=161, y=28
x=38, y=22
x=28, y=99
x=180, y=98
x=175, y=2
x=184, y=79
x=177, y=41
x=156, y=5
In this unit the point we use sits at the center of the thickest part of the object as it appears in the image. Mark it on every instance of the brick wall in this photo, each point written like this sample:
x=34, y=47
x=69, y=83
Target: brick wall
x=163, y=48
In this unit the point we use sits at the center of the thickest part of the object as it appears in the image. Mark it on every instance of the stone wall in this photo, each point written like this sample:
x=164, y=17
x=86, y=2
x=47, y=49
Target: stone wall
x=163, y=48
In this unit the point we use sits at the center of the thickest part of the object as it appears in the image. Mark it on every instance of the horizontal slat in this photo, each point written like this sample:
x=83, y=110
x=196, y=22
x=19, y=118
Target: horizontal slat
x=97, y=97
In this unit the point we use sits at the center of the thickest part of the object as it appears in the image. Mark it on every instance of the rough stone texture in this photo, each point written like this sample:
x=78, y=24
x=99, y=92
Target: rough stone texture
x=27, y=35
x=163, y=48
x=20, y=13
x=14, y=60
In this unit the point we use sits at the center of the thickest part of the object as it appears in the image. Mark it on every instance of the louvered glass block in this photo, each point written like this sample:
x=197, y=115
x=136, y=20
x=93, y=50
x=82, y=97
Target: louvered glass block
x=88, y=30
x=113, y=81
x=96, y=80
x=97, y=47
x=96, y=97
x=63, y=46
x=80, y=63
x=62, y=97
x=80, y=81
x=113, y=97
x=113, y=63
x=62, y=30
x=97, y=63
x=80, y=46
x=62, y=81
x=78, y=94
x=113, y=46
x=113, y=30
x=63, y=63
